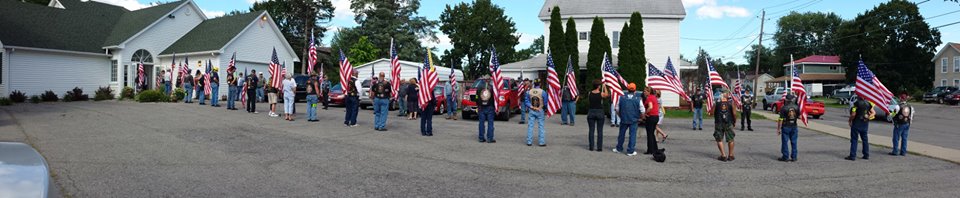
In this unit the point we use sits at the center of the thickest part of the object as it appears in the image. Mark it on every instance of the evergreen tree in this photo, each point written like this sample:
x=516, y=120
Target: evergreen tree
x=632, y=57
x=571, y=45
x=599, y=44
x=557, y=45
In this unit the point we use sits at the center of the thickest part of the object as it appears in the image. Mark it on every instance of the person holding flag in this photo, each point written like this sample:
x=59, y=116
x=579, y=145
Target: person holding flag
x=450, y=91
x=215, y=87
x=535, y=103
x=381, y=102
x=787, y=128
x=569, y=96
x=724, y=119
x=187, y=82
x=595, y=115
x=312, y=89
x=485, y=112
x=199, y=79
x=871, y=92
x=697, y=106
x=427, y=100
x=231, y=91
x=352, y=99
x=251, y=91
x=525, y=86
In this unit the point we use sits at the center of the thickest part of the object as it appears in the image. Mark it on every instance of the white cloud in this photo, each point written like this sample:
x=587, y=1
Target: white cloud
x=695, y=3
x=716, y=12
x=441, y=43
x=128, y=4
x=254, y=1
x=213, y=13
x=342, y=10
x=526, y=39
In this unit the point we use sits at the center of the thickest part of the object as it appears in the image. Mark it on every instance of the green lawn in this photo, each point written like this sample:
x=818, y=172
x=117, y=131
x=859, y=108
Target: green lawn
x=830, y=102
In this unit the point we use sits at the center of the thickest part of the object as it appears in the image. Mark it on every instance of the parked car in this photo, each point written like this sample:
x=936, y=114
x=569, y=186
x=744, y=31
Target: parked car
x=843, y=94
x=773, y=97
x=336, y=96
x=952, y=98
x=366, y=100
x=813, y=108
x=880, y=114
x=508, y=100
x=937, y=94
x=24, y=169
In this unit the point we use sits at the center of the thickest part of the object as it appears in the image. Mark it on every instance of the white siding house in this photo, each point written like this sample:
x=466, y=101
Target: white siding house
x=88, y=44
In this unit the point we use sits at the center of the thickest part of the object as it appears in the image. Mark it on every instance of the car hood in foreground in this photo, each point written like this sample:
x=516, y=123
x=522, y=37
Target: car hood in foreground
x=23, y=172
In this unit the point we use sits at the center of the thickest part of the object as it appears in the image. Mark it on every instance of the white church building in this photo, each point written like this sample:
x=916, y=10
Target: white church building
x=87, y=44
x=661, y=28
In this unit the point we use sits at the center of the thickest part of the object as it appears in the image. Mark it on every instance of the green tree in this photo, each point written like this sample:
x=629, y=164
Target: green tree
x=557, y=43
x=599, y=45
x=535, y=48
x=895, y=43
x=297, y=20
x=473, y=29
x=804, y=34
x=570, y=42
x=632, y=57
x=381, y=20
x=769, y=63
x=362, y=52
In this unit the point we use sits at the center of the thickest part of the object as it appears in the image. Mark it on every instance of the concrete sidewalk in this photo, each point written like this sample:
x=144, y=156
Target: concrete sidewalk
x=933, y=151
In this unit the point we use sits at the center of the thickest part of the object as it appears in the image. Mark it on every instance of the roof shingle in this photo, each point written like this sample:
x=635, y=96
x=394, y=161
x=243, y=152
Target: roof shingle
x=590, y=8
x=211, y=34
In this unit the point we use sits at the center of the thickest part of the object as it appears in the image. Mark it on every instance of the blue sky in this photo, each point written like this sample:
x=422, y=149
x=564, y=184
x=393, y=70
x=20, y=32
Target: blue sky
x=735, y=22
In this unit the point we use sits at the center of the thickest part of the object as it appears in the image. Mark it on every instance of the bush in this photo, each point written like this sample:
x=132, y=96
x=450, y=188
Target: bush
x=34, y=99
x=152, y=96
x=75, y=95
x=49, y=96
x=18, y=96
x=178, y=94
x=5, y=101
x=103, y=93
x=126, y=93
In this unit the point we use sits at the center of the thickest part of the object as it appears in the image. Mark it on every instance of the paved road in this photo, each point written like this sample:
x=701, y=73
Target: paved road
x=123, y=149
x=934, y=124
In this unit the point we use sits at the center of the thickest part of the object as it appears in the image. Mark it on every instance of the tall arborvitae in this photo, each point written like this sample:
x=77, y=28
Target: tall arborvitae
x=632, y=56
x=557, y=43
x=571, y=43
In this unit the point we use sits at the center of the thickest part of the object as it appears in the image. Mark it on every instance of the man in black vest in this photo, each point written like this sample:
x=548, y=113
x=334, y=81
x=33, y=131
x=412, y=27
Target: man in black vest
x=787, y=128
x=860, y=116
x=901, y=127
x=746, y=101
x=485, y=111
x=724, y=119
x=251, y=83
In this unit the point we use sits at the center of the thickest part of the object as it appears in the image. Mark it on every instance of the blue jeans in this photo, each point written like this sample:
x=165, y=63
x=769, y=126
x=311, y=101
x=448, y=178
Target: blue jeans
x=189, y=97
x=312, y=107
x=788, y=134
x=900, y=133
x=215, y=95
x=231, y=97
x=201, y=96
x=568, y=109
x=381, y=107
x=859, y=129
x=166, y=87
x=402, y=102
x=260, y=96
x=485, y=116
x=614, y=119
x=451, y=106
x=523, y=113
x=426, y=120
x=632, y=144
x=536, y=117
x=351, y=105
x=697, y=117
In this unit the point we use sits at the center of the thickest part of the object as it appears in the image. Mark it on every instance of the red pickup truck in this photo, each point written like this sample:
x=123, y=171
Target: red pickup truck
x=509, y=101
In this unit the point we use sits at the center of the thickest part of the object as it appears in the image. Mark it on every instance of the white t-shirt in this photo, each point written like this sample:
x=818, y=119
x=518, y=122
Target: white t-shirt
x=289, y=85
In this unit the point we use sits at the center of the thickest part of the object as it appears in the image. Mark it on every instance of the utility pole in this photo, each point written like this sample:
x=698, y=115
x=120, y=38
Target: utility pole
x=756, y=71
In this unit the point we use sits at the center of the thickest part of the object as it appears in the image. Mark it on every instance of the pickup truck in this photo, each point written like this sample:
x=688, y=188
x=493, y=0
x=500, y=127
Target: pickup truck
x=772, y=97
x=509, y=101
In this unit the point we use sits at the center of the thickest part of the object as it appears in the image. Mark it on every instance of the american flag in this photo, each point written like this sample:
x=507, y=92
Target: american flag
x=796, y=85
x=670, y=73
x=869, y=87
x=173, y=66
x=232, y=65
x=394, y=70
x=184, y=70
x=715, y=79
x=709, y=95
x=553, y=87
x=206, y=78
x=522, y=88
x=571, y=79
x=345, y=71
x=496, y=78
x=612, y=80
x=312, y=60
x=453, y=77
x=140, y=75
x=276, y=80
x=657, y=80
x=243, y=93
x=159, y=80
x=427, y=81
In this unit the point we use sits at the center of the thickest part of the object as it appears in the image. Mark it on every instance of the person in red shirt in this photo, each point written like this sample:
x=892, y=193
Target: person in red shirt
x=652, y=117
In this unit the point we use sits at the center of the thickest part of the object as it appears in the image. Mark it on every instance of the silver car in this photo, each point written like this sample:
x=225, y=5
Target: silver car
x=23, y=172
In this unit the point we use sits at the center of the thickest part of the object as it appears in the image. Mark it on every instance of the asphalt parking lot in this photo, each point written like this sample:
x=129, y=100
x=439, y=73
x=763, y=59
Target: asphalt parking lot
x=934, y=124
x=125, y=149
